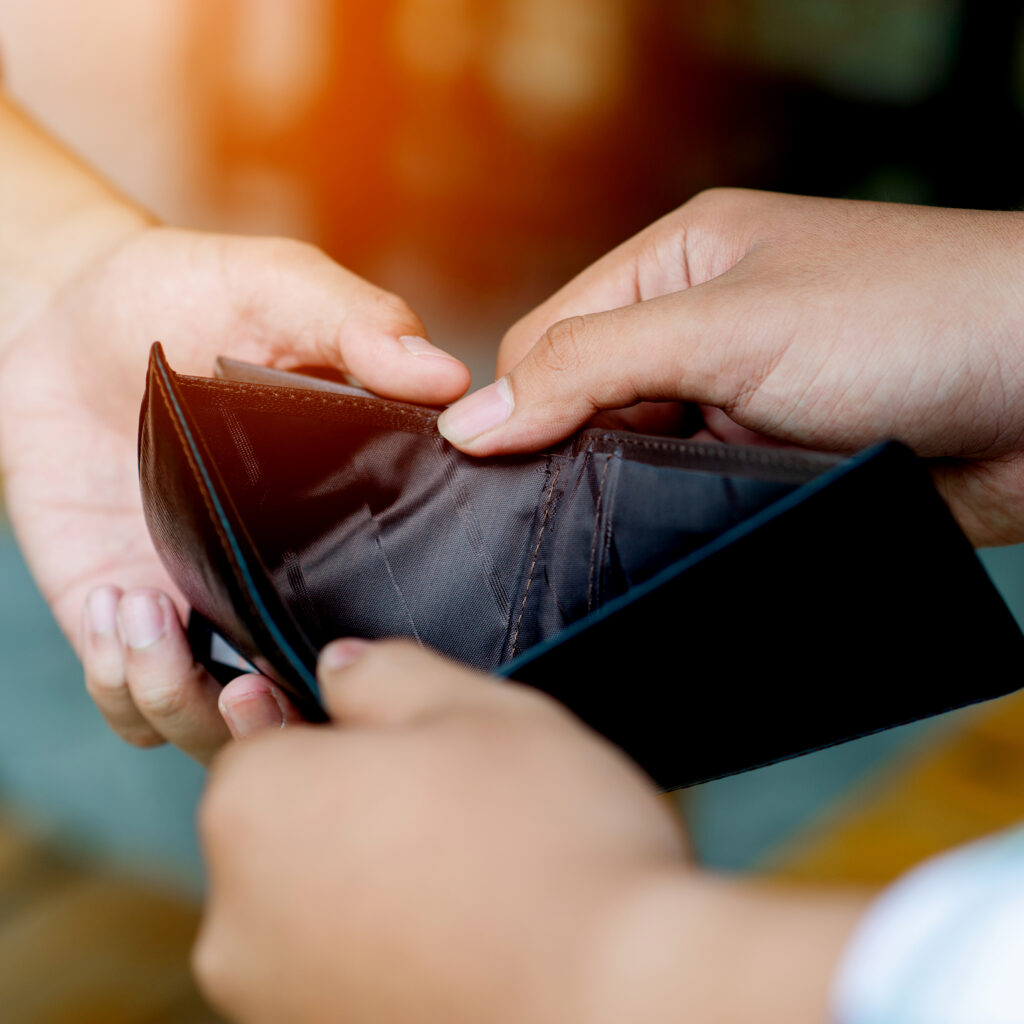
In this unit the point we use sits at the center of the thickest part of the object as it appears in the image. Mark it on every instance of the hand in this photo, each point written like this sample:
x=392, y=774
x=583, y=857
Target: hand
x=444, y=853
x=71, y=382
x=828, y=324
x=455, y=848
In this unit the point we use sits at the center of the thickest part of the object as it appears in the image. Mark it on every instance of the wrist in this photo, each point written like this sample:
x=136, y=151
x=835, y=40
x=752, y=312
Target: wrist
x=56, y=219
x=696, y=947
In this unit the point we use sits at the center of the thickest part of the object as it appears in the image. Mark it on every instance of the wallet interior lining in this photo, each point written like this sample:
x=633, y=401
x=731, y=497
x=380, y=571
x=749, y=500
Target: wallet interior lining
x=516, y=548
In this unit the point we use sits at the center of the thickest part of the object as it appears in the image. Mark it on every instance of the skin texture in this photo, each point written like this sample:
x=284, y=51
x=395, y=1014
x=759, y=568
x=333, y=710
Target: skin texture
x=478, y=855
x=828, y=324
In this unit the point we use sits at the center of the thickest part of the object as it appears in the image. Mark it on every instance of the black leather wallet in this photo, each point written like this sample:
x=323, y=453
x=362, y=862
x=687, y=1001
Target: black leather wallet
x=709, y=608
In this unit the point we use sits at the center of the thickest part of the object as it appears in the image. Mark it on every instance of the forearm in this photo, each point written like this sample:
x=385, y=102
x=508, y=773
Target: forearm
x=703, y=949
x=56, y=215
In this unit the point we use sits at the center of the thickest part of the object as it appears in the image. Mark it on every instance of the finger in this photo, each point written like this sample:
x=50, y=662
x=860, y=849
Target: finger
x=985, y=497
x=103, y=663
x=314, y=311
x=685, y=248
x=252, y=703
x=681, y=347
x=610, y=283
x=393, y=682
x=174, y=694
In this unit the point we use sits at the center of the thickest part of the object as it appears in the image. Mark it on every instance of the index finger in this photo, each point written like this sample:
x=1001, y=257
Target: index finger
x=700, y=240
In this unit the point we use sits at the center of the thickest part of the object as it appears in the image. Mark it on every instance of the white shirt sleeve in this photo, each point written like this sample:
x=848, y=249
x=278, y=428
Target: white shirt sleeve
x=944, y=945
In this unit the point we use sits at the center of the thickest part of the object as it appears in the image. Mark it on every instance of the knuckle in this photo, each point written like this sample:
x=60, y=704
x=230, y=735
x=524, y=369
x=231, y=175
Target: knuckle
x=161, y=700
x=562, y=346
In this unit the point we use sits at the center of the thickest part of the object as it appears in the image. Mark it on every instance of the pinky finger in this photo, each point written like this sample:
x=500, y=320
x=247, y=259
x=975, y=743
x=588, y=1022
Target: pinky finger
x=103, y=661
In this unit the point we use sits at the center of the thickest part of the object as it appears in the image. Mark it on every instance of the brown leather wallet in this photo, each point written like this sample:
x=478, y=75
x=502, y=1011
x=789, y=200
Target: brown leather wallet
x=708, y=607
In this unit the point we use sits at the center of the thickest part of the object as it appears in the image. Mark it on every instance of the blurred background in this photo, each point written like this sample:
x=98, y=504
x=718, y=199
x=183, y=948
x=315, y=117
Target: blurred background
x=472, y=155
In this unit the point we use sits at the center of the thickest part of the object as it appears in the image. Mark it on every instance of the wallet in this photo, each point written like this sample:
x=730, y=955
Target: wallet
x=709, y=608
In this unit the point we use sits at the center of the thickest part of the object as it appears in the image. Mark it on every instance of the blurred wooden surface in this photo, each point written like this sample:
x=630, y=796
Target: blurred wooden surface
x=968, y=784
x=79, y=946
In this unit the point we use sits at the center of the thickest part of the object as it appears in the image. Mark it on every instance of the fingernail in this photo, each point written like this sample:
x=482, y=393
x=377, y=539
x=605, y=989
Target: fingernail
x=101, y=606
x=484, y=410
x=141, y=618
x=341, y=653
x=252, y=714
x=421, y=347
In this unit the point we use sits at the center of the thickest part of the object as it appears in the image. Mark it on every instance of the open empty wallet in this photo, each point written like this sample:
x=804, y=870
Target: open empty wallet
x=709, y=608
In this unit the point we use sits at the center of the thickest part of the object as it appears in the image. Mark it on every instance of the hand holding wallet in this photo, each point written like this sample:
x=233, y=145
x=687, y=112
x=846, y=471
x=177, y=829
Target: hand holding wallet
x=708, y=607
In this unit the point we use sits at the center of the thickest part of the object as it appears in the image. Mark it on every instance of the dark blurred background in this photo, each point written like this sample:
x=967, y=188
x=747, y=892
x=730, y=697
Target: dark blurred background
x=472, y=155
x=488, y=149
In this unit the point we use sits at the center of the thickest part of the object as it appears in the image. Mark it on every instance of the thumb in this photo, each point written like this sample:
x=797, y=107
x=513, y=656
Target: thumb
x=664, y=349
x=251, y=703
x=311, y=310
x=394, y=682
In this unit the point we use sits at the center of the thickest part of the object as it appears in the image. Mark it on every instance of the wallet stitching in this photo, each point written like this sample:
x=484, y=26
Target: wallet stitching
x=375, y=406
x=210, y=511
x=606, y=543
x=719, y=453
x=236, y=432
x=419, y=420
x=597, y=530
x=536, y=554
x=609, y=526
